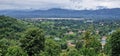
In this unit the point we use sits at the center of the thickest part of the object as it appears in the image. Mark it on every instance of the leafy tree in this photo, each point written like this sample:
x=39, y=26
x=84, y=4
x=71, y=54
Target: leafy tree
x=95, y=43
x=86, y=39
x=52, y=48
x=115, y=43
x=4, y=44
x=15, y=51
x=33, y=41
x=107, y=48
x=87, y=52
x=91, y=46
x=73, y=52
x=64, y=45
x=79, y=45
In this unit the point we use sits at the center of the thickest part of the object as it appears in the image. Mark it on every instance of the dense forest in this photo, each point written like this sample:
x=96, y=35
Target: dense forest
x=59, y=37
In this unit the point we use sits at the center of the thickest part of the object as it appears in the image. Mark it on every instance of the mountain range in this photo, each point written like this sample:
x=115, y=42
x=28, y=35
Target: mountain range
x=63, y=13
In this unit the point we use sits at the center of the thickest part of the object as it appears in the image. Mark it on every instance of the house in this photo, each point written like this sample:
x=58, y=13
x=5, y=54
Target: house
x=70, y=44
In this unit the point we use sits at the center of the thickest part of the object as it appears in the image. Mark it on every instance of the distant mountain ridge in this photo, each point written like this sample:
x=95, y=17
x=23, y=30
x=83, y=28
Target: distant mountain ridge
x=63, y=13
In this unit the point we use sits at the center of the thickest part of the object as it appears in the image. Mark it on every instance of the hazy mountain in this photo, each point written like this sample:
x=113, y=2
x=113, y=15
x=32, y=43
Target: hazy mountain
x=56, y=12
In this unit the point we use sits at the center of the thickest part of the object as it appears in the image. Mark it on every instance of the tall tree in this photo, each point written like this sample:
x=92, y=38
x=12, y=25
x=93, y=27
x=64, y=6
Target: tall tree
x=115, y=43
x=52, y=48
x=86, y=39
x=33, y=42
x=15, y=51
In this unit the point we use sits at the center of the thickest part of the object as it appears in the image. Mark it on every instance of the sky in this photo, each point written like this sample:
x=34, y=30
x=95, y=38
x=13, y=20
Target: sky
x=63, y=4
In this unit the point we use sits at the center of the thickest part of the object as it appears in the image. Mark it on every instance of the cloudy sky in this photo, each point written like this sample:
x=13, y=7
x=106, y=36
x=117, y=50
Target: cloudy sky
x=64, y=4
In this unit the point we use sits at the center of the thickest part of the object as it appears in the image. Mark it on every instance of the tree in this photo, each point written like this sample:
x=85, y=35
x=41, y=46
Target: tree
x=78, y=45
x=73, y=52
x=91, y=46
x=15, y=51
x=64, y=45
x=95, y=43
x=52, y=48
x=115, y=43
x=108, y=46
x=87, y=52
x=33, y=42
x=4, y=44
x=86, y=39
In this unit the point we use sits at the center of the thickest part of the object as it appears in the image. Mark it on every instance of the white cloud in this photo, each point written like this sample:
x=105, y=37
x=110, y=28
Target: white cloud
x=65, y=4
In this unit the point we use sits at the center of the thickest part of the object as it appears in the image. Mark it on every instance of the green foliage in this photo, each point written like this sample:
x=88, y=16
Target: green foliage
x=52, y=48
x=79, y=45
x=15, y=51
x=88, y=52
x=33, y=42
x=74, y=31
x=115, y=43
x=73, y=52
x=5, y=43
x=86, y=39
x=89, y=45
x=1, y=52
x=107, y=48
x=10, y=27
x=95, y=43
x=71, y=36
x=64, y=46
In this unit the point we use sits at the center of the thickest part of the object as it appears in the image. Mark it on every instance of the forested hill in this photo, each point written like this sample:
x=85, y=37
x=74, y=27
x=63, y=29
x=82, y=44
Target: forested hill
x=11, y=28
x=56, y=12
x=29, y=37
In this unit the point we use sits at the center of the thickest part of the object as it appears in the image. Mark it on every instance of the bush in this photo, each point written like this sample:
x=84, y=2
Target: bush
x=15, y=51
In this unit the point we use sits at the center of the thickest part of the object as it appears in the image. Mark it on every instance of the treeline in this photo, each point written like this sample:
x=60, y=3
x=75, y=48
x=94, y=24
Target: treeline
x=26, y=38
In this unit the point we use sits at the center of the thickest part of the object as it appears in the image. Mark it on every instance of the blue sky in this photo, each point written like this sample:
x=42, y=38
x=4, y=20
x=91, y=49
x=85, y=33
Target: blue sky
x=64, y=4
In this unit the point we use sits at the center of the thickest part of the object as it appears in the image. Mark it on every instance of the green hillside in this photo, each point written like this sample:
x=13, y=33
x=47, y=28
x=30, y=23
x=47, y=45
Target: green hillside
x=46, y=37
x=11, y=27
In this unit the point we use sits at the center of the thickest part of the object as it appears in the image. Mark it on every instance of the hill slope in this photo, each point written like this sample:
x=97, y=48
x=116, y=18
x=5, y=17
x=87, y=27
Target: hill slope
x=102, y=13
x=10, y=27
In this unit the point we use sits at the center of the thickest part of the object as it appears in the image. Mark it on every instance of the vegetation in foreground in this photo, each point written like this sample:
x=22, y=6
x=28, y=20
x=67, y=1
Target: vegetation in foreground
x=59, y=37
